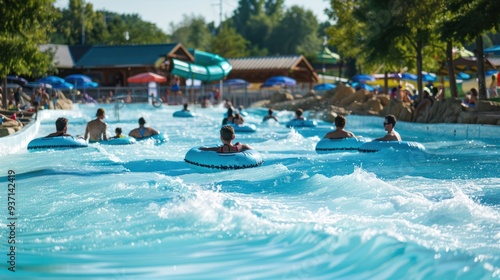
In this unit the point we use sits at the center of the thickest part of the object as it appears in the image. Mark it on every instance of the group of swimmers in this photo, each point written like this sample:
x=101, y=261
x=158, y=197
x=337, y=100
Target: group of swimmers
x=96, y=129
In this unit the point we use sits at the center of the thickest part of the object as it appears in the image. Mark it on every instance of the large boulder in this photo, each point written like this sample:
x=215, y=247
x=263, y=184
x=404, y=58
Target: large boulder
x=467, y=117
x=359, y=96
x=342, y=92
x=281, y=96
x=384, y=99
x=373, y=104
x=487, y=106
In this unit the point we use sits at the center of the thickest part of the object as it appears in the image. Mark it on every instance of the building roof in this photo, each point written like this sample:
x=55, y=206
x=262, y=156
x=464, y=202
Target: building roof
x=125, y=56
x=264, y=62
x=62, y=55
x=258, y=69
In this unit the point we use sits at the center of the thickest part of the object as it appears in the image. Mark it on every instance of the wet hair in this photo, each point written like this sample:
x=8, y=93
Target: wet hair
x=100, y=112
x=230, y=111
x=142, y=121
x=340, y=121
x=473, y=91
x=185, y=106
x=118, y=130
x=391, y=119
x=299, y=112
x=227, y=132
x=270, y=111
x=61, y=123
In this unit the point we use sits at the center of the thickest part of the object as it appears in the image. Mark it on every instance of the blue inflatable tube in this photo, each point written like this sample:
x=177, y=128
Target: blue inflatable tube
x=57, y=143
x=126, y=140
x=157, y=138
x=375, y=146
x=223, y=161
x=184, y=114
x=245, y=128
x=301, y=123
x=327, y=145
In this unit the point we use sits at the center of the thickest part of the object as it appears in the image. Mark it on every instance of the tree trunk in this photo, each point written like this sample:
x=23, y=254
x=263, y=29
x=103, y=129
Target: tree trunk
x=480, y=67
x=451, y=69
x=419, y=69
x=3, y=102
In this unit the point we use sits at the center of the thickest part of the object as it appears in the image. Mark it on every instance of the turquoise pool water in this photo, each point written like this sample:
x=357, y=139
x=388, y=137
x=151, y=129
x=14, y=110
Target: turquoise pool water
x=141, y=212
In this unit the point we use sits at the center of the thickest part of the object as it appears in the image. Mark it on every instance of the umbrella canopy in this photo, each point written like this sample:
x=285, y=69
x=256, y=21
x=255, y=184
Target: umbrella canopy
x=51, y=80
x=409, y=76
x=80, y=81
x=463, y=76
x=236, y=83
x=64, y=85
x=362, y=78
x=428, y=77
x=146, y=78
x=490, y=72
x=279, y=81
x=362, y=86
x=17, y=80
x=324, y=87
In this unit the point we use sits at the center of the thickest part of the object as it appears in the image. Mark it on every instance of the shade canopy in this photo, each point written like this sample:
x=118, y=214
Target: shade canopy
x=324, y=87
x=80, y=81
x=362, y=78
x=279, y=81
x=146, y=78
x=494, y=50
x=51, y=80
x=17, y=80
x=236, y=83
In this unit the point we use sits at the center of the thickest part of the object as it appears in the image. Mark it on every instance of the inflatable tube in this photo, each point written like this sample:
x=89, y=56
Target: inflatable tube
x=184, y=114
x=244, y=128
x=126, y=140
x=327, y=145
x=157, y=138
x=57, y=143
x=223, y=161
x=375, y=146
x=301, y=123
x=207, y=67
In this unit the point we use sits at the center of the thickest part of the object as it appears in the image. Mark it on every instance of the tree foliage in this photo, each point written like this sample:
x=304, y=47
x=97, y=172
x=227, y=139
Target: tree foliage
x=228, y=43
x=24, y=25
x=103, y=27
x=192, y=32
x=296, y=33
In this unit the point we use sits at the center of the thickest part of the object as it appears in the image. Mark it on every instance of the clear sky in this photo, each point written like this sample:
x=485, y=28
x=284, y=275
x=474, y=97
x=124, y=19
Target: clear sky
x=163, y=12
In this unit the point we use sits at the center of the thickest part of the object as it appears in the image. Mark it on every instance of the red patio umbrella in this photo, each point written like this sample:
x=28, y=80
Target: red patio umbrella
x=146, y=78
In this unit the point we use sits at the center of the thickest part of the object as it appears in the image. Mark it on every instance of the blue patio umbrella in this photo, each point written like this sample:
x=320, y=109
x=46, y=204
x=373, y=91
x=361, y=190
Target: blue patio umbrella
x=81, y=81
x=463, y=76
x=51, y=80
x=279, y=81
x=362, y=86
x=409, y=76
x=324, y=87
x=426, y=77
x=236, y=83
x=491, y=72
x=64, y=85
x=362, y=78
x=17, y=80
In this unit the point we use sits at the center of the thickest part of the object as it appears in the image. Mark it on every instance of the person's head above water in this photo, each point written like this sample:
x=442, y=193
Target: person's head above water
x=142, y=121
x=227, y=133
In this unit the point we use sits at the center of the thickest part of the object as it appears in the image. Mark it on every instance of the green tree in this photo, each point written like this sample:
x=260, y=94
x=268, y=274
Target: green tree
x=296, y=33
x=192, y=32
x=470, y=21
x=228, y=43
x=24, y=25
x=255, y=20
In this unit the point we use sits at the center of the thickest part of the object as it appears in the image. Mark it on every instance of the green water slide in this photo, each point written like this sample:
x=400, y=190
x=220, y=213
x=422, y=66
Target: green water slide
x=207, y=67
